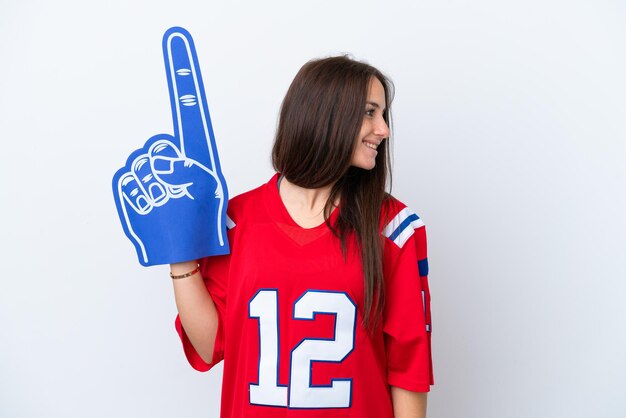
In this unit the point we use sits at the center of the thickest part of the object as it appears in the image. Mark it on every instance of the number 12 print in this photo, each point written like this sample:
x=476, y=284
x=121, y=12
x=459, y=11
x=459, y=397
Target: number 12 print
x=301, y=393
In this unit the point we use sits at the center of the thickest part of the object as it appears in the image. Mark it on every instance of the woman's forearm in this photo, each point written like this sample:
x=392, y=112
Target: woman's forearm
x=196, y=309
x=407, y=404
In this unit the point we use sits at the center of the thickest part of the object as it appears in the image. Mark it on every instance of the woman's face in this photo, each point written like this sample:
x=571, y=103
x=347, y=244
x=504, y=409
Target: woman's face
x=374, y=129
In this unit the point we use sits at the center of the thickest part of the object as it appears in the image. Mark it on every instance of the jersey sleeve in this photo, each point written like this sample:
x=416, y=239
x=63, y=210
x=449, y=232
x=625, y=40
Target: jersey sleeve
x=406, y=316
x=214, y=272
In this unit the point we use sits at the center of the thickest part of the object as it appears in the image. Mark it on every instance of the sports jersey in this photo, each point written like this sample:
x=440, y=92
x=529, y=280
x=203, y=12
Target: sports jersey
x=290, y=308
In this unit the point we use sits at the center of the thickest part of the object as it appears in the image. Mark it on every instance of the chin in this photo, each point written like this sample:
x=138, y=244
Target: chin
x=364, y=166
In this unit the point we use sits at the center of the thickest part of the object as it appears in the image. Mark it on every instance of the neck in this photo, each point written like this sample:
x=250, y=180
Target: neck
x=310, y=199
x=306, y=206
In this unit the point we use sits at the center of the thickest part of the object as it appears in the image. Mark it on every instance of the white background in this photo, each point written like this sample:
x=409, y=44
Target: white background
x=510, y=142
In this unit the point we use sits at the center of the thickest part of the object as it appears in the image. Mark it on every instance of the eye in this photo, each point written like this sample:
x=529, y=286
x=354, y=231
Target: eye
x=370, y=112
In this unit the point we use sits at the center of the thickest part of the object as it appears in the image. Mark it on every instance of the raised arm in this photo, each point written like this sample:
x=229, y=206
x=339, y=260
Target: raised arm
x=196, y=309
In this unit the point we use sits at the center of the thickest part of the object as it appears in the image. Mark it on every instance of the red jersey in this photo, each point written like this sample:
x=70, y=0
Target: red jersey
x=290, y=309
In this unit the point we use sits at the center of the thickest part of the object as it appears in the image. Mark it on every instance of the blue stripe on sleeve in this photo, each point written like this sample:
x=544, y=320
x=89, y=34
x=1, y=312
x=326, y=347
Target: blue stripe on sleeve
x=403, y=226
x=422, y=265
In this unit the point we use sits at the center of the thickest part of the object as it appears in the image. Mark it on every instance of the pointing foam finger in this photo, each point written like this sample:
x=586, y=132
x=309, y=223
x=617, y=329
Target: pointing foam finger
x=192, y=124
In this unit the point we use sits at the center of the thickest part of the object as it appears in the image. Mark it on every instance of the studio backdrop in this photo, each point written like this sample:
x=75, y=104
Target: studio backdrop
x=509, y=123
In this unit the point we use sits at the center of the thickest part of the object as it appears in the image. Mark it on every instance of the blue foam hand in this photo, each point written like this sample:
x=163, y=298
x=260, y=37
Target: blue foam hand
x=171, y=196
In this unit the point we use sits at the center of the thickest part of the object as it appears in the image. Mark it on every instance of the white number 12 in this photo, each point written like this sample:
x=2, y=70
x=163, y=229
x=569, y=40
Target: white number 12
x=301, y=393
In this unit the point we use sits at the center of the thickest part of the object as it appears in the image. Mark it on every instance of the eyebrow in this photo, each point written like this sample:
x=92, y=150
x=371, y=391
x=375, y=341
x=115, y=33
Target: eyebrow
x=376, y=105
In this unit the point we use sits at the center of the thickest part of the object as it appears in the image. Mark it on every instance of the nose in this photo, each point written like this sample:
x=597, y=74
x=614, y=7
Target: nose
x=381, y=129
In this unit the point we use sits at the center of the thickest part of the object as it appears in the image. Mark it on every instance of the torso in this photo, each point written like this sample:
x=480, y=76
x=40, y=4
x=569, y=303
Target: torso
x=293, y=339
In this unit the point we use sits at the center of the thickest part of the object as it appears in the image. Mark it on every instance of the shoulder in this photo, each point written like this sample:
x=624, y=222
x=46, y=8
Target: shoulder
x=248, y=204
x=398, y=221
x=241, y=206
x=239, y=203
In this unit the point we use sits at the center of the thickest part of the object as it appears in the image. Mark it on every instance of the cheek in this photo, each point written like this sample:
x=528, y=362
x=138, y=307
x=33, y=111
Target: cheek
x=365, y=129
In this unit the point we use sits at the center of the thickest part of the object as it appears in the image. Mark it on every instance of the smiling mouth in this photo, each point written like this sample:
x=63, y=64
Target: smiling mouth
x=370, y=145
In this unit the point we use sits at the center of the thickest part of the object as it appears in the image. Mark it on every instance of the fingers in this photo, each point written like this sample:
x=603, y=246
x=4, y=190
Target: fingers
x=192, y=123
x=130, y=201
x=180, y=175
x=161, y=174
x=140, y=189
x=163, y=156
x=152, y=188
x=133, y=194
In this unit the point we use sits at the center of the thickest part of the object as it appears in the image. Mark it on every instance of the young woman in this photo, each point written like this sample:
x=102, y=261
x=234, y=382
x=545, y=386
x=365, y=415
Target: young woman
x=322, y=307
